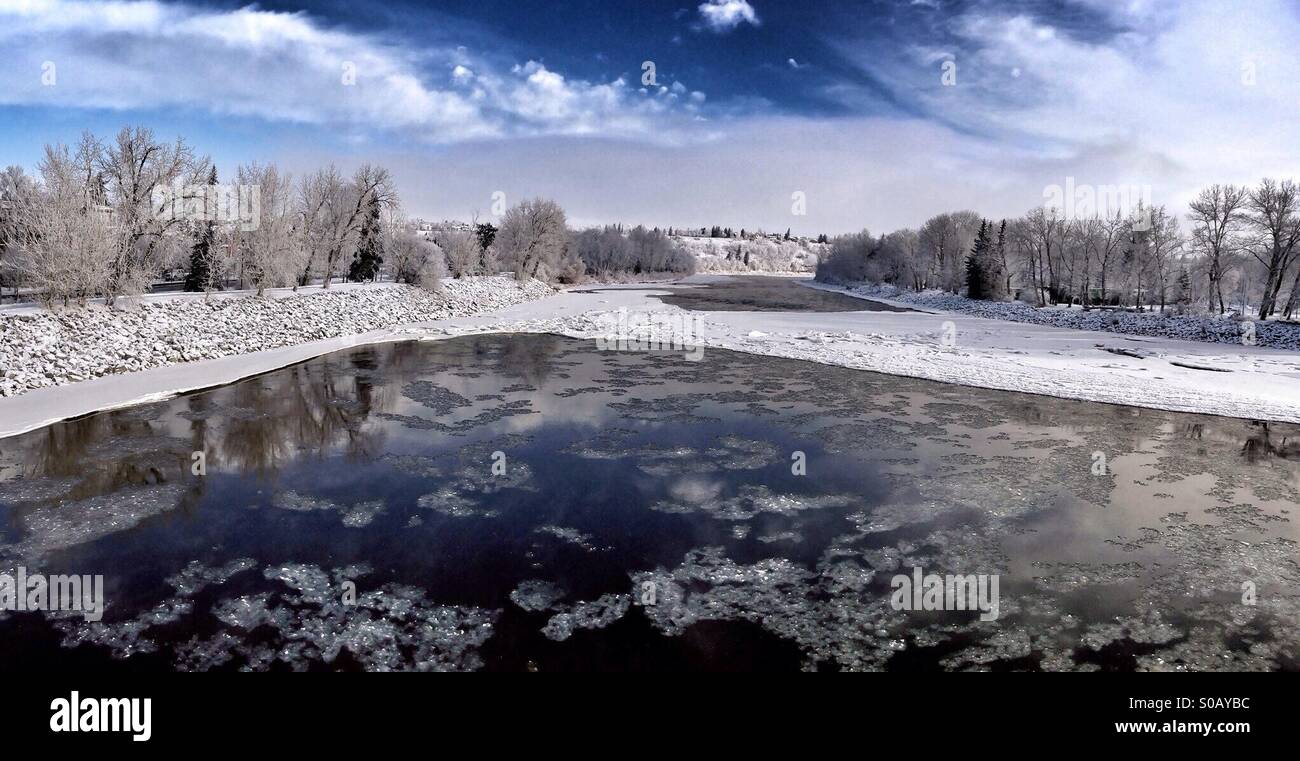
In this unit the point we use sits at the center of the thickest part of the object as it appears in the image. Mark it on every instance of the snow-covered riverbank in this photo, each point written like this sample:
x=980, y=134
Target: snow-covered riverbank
x=1269, y=334
x=1237, y=381
x=39, y=349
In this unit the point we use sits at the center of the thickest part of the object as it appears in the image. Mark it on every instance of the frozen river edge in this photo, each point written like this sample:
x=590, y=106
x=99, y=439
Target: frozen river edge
x=1182, y=376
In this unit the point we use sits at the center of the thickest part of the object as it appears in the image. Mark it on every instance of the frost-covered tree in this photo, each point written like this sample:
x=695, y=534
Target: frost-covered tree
x=129, y=172
x=415, y=260
x=65, y=242
x=17, y=190
x=269, y=254
x=847, y=260
x=338, y=210
x=609, y=252
x=944, y=241
x=463, y=253
x=533, y=239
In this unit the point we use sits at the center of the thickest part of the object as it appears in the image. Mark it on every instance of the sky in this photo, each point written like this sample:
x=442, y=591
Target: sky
x=822, y=117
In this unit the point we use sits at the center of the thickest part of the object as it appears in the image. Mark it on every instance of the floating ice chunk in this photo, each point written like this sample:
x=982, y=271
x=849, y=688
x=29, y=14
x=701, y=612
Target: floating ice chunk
x=596, y=614
x=357, y=515
x=570, y=535
x=452, y=504
x=195, y=576
x=536, y=595
x=362, y=514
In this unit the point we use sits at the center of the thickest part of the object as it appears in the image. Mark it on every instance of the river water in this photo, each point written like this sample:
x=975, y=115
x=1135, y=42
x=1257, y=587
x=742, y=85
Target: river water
x=530, y=503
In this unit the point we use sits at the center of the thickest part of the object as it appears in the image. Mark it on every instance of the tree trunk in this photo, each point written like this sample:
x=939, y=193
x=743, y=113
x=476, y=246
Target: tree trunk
x=1294, y=299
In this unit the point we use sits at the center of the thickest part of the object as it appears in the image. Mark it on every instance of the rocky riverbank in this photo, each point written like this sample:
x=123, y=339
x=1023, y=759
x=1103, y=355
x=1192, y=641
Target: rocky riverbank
x=42, y=349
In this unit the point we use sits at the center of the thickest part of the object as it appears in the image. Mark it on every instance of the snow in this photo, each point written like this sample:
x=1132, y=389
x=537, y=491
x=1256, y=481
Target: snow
x=40, y=349
x=1277, y=335
x=766, y=254
x=1259, y=382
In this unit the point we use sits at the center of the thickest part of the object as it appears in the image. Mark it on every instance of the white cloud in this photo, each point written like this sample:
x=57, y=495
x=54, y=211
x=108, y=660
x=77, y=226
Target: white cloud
x=725, y=15
x=1163, y=103
x=143, y=54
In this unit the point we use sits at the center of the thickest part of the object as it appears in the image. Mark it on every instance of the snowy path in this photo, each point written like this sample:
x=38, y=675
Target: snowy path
x=1259, y=383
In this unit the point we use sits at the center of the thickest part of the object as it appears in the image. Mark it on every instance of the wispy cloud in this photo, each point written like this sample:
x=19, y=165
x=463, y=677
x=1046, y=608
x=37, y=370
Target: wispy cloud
x=142, y=54
x=1137, y=95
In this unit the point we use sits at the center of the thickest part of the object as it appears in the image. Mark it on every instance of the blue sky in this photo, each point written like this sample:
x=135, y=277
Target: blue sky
x=754, y=100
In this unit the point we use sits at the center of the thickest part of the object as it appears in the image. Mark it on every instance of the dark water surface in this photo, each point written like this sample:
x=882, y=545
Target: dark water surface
x=644, y=515
x=766, y=293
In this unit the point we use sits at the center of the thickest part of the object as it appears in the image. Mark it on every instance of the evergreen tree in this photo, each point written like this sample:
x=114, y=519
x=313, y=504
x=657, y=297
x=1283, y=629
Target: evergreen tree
x=370, y=249
x=787, y=233
x=486, y=234
x=1000, y=285
x=1184, y=298
x=200, y=275
x=976, y=264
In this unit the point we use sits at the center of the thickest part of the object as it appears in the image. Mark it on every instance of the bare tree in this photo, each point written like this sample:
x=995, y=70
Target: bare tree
x=64, y=241
x=314, y=234
x=944, y=241
x=462, y=251
x=1164, y=243
x=133, y=168
x=533, y=239
x=345, y=210
x=17, y=190
x=268, y=254
x=1113, y=233
x=1039, y=237
x=1217, y=214
x=415, y=260
x=1275, y=219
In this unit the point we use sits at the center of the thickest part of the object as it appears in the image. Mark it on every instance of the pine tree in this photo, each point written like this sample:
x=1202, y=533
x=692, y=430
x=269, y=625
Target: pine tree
x=370, y=249
x=976, y=265
x=200, y=275
x=787, y=233
x=1184, y=299
x=486, y=233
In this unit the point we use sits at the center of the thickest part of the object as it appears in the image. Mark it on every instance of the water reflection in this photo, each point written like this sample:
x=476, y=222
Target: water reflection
x=766, y=293
x=526, y=502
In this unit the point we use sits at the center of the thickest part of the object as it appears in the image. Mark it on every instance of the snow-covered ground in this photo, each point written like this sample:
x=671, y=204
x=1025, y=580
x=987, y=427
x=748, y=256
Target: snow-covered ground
x=39, y=349
x=1271, y=334
x=1233, y=380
